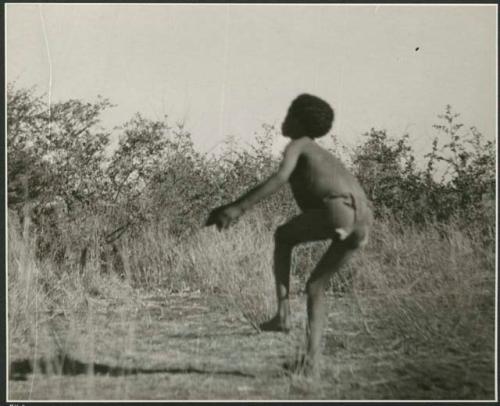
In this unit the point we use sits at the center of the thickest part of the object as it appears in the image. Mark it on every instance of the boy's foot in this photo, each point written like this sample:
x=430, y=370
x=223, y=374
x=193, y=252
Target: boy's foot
x=302, y=366
x=275, y=324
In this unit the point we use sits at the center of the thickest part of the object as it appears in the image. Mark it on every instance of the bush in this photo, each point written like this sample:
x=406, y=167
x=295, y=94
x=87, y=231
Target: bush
x=452, y=181
x=61, y=174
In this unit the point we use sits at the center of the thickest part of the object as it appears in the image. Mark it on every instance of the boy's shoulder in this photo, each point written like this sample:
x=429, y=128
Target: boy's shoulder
x=308, y=148
x=297, y=147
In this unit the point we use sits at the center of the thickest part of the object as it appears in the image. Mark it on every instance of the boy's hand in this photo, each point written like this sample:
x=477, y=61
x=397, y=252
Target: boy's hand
x=223, y=216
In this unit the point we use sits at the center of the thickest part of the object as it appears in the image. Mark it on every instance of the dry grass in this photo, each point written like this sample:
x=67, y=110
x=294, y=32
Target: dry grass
x=429, y=292
x=432, y=282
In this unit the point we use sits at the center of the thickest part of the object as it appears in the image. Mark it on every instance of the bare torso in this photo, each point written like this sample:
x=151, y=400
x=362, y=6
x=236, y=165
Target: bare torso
x=320, y=175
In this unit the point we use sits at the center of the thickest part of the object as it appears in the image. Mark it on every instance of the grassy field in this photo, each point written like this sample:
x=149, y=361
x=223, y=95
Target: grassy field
x=412, y=317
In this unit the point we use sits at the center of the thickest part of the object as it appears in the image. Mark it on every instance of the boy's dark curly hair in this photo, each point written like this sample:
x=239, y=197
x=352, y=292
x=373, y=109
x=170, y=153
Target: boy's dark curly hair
x=314, y=114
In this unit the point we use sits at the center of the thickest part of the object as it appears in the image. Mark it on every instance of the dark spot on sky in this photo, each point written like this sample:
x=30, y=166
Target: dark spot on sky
x=417, y=48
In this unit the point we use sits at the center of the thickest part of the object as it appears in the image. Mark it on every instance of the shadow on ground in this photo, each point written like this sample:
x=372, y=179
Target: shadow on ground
x=63, y=364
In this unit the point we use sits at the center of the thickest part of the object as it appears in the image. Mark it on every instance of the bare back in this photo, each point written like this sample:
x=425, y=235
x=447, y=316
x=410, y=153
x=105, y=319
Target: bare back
x=319, y=175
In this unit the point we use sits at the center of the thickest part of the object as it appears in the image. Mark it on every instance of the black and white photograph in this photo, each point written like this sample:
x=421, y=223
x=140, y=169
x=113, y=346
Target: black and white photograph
x=243, y=202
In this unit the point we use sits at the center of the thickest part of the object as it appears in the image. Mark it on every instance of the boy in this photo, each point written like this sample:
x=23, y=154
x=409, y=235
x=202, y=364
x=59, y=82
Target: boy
x=333, y=205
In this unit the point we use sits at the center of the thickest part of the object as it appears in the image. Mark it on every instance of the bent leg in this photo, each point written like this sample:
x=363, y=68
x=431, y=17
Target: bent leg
x=309, y=226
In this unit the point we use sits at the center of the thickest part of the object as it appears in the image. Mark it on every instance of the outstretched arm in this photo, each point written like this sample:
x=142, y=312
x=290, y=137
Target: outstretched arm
x=224, y=216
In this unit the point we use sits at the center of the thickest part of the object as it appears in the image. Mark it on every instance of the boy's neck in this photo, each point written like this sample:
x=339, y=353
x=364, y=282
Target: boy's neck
x=300, y=138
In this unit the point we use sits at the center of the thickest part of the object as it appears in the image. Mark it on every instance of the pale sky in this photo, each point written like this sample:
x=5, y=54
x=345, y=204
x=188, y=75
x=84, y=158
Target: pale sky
x=227, y=69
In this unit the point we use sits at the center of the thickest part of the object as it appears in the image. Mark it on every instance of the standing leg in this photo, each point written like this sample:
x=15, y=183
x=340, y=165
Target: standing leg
x=336, y=255
x=282, y=262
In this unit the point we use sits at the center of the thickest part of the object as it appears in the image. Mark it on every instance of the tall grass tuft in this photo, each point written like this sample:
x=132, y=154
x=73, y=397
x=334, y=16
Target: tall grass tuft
x=50, y=306
x=434, y=283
